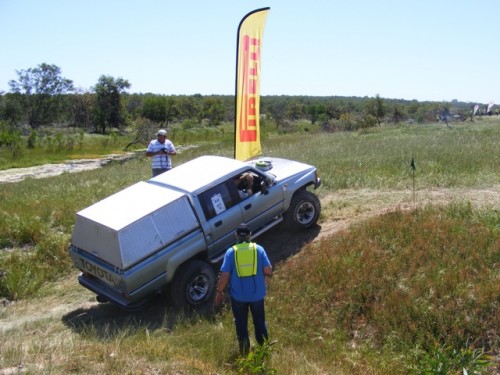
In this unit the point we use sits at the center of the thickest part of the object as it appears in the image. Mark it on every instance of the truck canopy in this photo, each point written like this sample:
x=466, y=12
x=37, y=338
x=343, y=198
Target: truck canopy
x=195, y=175
x=133, y=223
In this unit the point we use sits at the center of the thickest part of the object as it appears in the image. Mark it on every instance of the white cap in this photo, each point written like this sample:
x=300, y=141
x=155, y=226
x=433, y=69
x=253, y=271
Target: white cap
x=162, y=132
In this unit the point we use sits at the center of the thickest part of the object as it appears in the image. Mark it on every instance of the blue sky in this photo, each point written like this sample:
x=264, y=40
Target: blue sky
x=425, y=50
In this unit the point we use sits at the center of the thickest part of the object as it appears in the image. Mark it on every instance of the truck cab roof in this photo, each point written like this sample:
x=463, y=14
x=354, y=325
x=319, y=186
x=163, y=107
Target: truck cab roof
x=199, y=173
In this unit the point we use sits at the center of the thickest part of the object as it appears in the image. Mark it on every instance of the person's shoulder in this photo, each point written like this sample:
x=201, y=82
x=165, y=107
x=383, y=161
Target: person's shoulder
x=261, y=250
x=260, y=247
x=229, y=255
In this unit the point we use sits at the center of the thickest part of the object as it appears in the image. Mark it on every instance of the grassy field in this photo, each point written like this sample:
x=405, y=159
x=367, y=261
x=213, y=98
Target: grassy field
x=405, y=285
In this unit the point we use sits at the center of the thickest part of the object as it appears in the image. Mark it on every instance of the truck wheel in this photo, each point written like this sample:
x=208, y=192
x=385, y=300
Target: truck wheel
x=303, y=212
x=193, y=285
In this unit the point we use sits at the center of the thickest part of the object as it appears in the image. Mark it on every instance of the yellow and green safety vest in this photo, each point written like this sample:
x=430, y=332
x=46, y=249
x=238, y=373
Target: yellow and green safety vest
x=245, y=259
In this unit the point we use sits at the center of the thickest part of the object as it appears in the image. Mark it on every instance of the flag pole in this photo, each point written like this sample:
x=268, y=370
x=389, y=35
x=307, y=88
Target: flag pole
x=412, y=166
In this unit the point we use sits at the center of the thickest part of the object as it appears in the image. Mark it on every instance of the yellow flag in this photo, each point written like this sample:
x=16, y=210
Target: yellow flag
x=247, y=129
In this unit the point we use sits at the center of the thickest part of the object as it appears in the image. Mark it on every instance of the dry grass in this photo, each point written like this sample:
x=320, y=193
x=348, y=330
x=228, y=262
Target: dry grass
x=400, y=281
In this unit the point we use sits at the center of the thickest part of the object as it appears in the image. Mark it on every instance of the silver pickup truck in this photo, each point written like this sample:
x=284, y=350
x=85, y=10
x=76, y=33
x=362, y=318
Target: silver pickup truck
x=167, y=234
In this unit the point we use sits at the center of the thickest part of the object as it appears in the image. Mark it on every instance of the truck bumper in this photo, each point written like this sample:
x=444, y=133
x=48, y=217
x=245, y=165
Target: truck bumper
x=104, y=293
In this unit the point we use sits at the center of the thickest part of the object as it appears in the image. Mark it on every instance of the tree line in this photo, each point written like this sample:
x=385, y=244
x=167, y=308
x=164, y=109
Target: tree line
x=42, y=97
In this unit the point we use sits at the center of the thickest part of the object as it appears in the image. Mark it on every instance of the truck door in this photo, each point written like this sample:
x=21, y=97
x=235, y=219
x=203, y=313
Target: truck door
x=223, y=215
x=259, y=208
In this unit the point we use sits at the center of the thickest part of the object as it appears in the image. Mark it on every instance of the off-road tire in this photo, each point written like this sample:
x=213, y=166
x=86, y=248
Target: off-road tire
x=303, y=212
x=193, y=286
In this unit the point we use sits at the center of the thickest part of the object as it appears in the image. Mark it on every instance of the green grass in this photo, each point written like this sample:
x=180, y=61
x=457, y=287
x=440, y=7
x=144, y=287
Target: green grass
x=61, y=147
x=409, y=291
x=465, y=156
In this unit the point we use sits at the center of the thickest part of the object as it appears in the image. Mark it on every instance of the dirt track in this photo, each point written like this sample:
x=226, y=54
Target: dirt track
x=70, y=166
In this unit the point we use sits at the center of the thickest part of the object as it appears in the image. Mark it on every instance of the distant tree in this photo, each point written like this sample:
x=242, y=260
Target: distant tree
x=294, y=110
x=376, y=107
x=342, y=107
x=333, y=111
x=277, y=110
x=133, y=104
x=154, y=108
x=413, y=108
x=314, y=111
x=190, y=107
x=109, y=112
x=10, y=109
x=213, y=110
x=171, y=110
x=40, y=93
x=397, y=113
x=82, y=106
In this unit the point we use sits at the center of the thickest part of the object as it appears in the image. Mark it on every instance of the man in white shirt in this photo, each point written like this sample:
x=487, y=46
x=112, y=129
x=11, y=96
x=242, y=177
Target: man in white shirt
x=160, y=150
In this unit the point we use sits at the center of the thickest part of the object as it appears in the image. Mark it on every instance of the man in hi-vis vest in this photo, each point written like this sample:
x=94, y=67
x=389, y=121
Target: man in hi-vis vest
x=244, y=268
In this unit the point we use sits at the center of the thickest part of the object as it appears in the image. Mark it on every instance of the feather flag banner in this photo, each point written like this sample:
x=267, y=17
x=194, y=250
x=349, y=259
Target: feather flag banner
x=247, y=97
x=490, y=105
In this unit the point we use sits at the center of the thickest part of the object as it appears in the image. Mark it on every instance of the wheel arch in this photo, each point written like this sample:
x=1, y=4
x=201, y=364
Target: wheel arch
x=182, y=257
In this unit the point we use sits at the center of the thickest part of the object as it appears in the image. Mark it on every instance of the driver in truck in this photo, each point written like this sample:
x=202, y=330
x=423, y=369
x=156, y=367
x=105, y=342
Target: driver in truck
x=244, y=183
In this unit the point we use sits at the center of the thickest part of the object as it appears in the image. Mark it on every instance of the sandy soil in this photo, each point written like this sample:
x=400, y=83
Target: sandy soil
x=70, y=166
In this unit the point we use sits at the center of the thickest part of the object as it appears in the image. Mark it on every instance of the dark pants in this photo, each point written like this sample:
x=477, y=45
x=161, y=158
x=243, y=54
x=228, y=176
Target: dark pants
x=240, y=312
x=157, y=171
